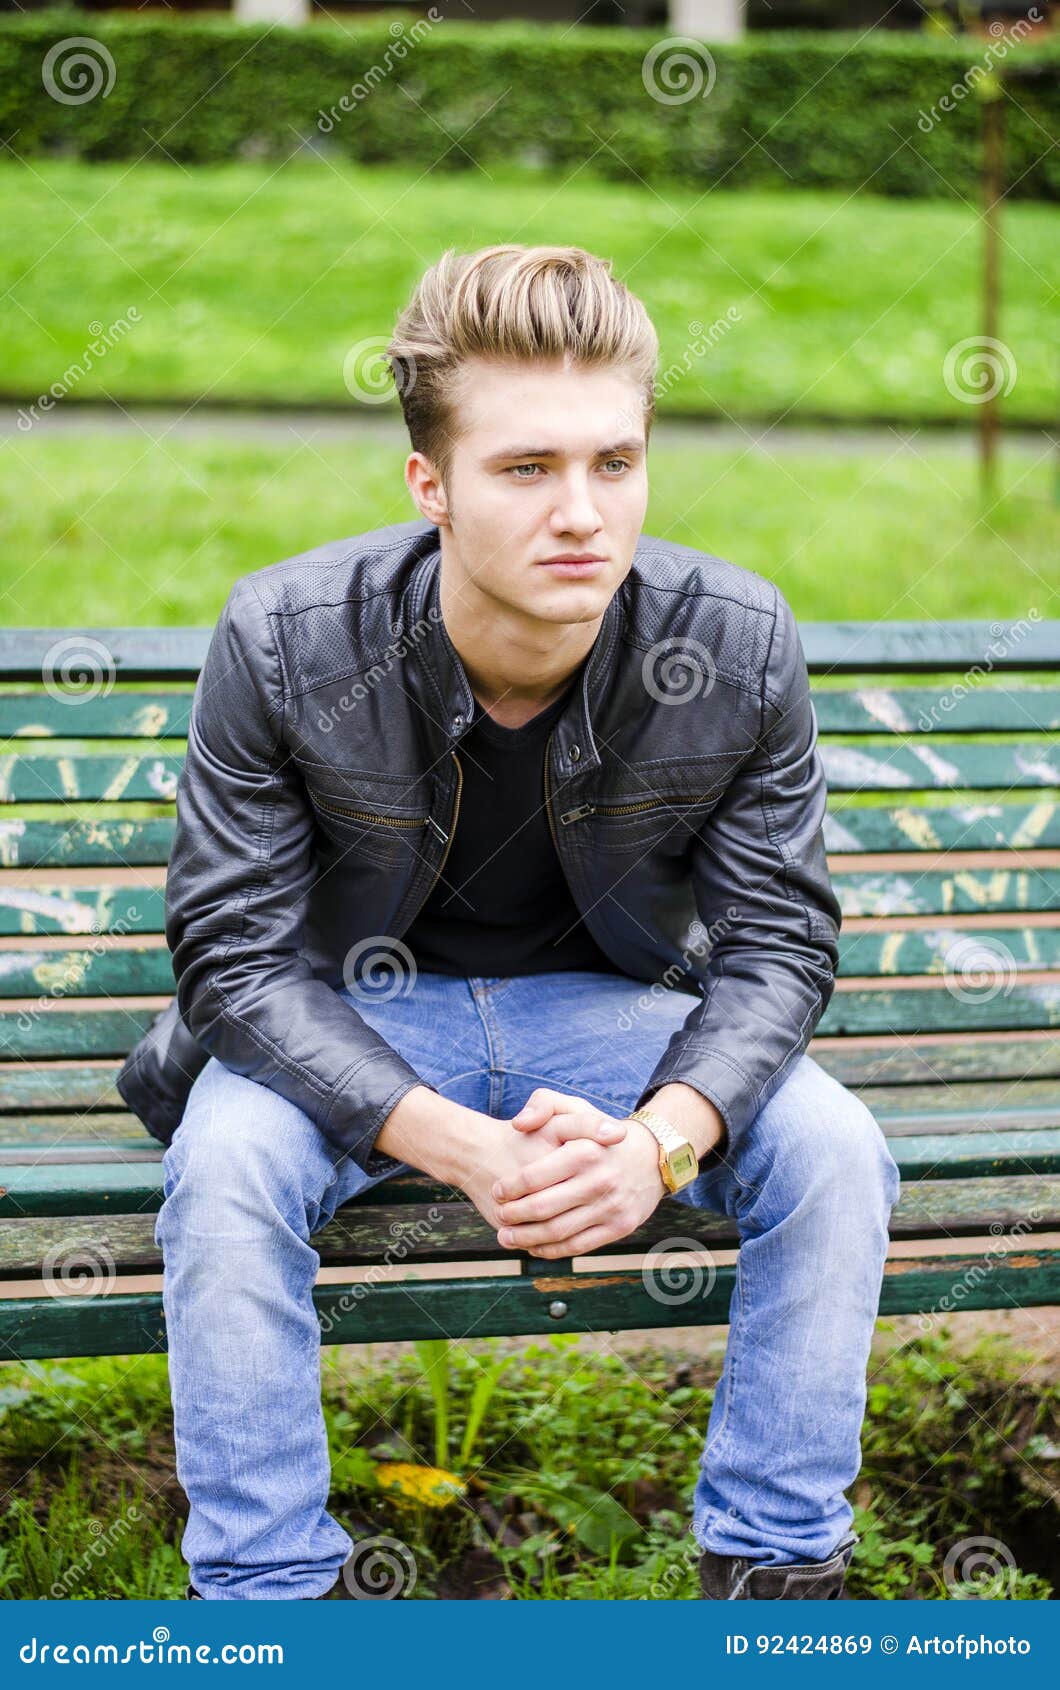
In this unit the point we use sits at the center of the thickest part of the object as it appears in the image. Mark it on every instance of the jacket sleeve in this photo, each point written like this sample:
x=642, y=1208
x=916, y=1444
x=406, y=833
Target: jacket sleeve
x=240, y=871
x=764, y=896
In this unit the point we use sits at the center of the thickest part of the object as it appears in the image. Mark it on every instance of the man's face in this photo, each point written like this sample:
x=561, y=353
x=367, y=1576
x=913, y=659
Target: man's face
x=550, y=461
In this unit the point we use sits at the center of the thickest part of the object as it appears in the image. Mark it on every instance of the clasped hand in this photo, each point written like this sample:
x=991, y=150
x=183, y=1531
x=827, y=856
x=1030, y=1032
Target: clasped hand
x=576, y=1178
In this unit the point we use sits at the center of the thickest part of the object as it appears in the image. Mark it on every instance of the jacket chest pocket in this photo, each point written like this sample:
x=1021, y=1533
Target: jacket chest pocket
x=390, y=840
x=656, y=822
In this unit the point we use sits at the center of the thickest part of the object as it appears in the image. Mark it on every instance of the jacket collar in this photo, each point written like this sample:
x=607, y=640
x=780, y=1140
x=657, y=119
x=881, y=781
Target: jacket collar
x=445, y=697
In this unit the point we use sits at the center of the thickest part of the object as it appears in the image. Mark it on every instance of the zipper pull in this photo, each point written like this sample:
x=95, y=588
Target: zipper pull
x=439, y=829
x=578, y=814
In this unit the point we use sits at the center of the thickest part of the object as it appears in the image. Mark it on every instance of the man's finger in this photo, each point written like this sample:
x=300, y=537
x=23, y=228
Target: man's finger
x=544, y=1205
x=542, y=1104
x=558, y=1164
x=573, y=1224
x=592, y=1239
x=597, y=1126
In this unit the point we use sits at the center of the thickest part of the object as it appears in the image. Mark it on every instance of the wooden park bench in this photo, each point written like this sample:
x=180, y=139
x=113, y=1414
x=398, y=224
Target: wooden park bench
x=944, y=838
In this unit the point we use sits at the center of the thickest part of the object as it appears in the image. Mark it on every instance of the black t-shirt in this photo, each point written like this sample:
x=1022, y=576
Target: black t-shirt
x=502, y=905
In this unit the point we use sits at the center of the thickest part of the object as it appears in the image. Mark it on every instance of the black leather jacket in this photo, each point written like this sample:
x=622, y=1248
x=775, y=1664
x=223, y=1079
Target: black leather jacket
x=321, y=791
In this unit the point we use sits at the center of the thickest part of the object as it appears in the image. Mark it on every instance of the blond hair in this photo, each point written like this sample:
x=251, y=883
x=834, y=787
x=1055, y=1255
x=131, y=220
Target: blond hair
x=518, y=302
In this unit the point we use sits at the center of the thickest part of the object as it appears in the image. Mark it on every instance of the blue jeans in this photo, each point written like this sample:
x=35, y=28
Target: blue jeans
x=248, y=1178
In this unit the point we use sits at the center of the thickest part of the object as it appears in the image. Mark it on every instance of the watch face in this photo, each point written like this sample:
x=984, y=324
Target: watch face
x=683, y=1164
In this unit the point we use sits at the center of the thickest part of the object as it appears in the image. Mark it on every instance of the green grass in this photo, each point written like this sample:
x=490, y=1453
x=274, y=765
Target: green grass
x=252, y=283
x=111, y=529
x=580, y=1487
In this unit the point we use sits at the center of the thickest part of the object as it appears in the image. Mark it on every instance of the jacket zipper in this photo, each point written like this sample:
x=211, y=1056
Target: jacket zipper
x=621, y=809
x=448, y=837
x=384, y=821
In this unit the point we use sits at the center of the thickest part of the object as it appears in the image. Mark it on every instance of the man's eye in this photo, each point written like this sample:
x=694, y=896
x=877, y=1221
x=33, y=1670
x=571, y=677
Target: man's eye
x=622, y=462
x=517, y=467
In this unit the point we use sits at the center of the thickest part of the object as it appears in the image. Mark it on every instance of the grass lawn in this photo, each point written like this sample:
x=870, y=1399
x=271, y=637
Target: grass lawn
x=578, y=1467
x=252, y=283
x=112, y=529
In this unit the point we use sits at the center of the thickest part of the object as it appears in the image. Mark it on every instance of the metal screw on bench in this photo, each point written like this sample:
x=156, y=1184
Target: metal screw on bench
x=557, y=1310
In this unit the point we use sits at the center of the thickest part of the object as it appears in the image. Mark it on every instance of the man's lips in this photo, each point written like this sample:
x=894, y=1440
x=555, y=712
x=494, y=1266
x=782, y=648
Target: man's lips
x=572, y=561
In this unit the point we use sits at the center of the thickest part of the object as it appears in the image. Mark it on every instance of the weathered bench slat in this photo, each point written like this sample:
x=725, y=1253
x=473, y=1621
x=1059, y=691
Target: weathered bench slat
x=854, y=829
x=1002, y=951
x=934, y=710
x=122, y=714
x=76, y=1085
x=108, y=1135
x=37, y=778
x=134, y=1324
x=940, y=765
x=116, y=842
x=109, y=842
x=367, y=1235
x=839, y=648
x=51, y=907
x=29, y=778
x=998, y=952
x=125, y=714
x=54, y=906
x=130, y=1187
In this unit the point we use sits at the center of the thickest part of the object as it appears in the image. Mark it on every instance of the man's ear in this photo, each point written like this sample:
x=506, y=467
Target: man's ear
x=425, y=485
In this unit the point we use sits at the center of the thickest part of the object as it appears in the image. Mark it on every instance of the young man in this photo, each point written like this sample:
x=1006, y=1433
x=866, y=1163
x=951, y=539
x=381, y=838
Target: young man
x=555, y=784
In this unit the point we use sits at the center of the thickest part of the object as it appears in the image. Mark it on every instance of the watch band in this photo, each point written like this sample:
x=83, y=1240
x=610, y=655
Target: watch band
x=678, y=1162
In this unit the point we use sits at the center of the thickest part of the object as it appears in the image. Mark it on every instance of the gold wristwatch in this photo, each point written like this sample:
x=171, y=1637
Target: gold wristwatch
x=678, y=1162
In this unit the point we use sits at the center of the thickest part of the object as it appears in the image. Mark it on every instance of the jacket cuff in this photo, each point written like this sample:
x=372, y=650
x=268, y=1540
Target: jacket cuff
x=716, y=1077
x=359, y=1112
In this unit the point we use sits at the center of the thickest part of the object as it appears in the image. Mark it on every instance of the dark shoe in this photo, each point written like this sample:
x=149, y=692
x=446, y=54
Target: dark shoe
x=724, y=1578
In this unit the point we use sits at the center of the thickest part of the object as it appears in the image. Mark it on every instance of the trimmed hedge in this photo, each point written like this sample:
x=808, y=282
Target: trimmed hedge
x=827, y=109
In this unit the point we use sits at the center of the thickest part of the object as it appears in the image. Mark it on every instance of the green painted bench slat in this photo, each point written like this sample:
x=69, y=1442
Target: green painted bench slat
x=93, y=1032
x=360, y=1235
x=933, y=710
x=940, y=765
x=116, y=715
x=131, y=1324
x=74, y=971
x=839, y=648
x=109, y=842
x=56, y=907
x=129, y=1187
x=956, y=827
x=115, y=842
x=125, y=714
x=36, y=778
